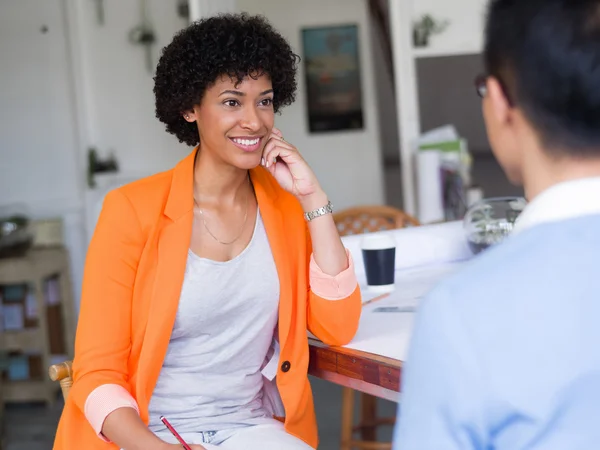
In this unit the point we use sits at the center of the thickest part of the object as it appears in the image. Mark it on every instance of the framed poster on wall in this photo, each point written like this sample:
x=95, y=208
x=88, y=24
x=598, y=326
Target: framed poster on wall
x=333, y=83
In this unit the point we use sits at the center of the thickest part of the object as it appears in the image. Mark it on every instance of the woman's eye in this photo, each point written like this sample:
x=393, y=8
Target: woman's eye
x=267, y=102
x=231, y=103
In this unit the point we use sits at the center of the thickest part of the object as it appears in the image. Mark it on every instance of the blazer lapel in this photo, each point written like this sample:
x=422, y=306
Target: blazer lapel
x=173, y=244
x=266, y=196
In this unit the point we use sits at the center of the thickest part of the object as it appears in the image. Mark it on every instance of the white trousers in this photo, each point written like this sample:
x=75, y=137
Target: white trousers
x=268, y=436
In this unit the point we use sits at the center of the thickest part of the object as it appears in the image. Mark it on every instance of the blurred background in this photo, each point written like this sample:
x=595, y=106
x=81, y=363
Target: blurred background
x=77, y=119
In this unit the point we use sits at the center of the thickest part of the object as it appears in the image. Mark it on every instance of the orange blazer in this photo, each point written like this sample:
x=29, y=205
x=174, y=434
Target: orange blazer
x=132, y=281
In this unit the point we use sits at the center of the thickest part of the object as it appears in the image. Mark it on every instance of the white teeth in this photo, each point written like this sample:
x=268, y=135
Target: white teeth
x=246, y=142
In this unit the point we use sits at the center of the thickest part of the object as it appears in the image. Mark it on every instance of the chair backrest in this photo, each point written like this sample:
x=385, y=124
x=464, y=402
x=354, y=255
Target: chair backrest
x=63, y=373
x=368, y=219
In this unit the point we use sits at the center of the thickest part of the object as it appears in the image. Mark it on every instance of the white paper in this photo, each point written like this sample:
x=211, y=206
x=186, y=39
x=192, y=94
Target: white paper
x=417, y=247
x=430, y=192
x=442, y=134
x=388, y=333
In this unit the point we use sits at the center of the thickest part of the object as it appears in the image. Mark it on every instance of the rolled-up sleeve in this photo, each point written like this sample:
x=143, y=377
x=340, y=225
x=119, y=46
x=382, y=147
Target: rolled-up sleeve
x=333, y=322
x=333, y=287
x=104, y=400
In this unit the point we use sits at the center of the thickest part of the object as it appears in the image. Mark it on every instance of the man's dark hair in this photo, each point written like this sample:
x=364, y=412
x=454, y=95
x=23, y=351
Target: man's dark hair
x=546, y=53
x=234, y=45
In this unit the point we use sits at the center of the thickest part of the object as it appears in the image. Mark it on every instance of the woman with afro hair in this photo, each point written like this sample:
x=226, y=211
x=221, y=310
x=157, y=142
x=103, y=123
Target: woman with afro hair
x=201, y=282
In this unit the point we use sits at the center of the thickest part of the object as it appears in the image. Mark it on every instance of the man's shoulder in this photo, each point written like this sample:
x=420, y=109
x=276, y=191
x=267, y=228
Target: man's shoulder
x=501, y=261
x=536, y=260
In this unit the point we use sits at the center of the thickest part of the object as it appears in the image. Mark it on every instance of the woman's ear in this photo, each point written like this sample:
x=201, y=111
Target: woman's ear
x=189, y=116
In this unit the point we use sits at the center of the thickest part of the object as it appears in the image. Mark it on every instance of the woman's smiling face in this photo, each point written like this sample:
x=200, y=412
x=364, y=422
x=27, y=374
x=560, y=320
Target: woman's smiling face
x=235, y=119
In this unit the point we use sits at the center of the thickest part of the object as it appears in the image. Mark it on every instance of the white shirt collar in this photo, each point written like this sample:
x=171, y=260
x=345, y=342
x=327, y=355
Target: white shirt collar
x=566, y=200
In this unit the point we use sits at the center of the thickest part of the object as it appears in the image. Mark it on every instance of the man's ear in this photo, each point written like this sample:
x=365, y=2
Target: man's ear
x=500, y=106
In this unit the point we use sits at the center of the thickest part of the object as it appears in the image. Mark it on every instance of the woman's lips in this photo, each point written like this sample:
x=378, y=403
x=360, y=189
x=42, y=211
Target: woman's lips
x=247, y=144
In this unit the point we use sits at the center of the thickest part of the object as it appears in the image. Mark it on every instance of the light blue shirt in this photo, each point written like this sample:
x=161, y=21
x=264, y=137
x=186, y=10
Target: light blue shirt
x=505, y=355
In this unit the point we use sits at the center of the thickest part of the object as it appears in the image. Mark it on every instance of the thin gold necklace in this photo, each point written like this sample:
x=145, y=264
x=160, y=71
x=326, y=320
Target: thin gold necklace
x=241, y=229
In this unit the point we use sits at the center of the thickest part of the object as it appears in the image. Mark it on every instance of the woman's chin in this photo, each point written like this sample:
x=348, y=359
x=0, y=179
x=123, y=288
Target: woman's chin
x=248, y=164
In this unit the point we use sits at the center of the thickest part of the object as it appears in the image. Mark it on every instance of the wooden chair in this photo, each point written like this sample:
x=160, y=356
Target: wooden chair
x=359, y=220
x=62, y=373
x=367, y=219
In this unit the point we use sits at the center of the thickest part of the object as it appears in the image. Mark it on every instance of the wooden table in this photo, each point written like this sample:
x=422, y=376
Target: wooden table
x=364, y=372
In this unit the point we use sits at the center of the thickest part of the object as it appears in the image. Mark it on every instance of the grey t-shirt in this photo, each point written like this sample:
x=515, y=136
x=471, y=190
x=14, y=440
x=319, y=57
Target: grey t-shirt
x=211, y=377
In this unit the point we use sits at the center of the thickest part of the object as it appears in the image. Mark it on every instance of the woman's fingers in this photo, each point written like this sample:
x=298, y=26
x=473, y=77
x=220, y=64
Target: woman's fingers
x=275, y=152
x=276, y=148
x=277, y=132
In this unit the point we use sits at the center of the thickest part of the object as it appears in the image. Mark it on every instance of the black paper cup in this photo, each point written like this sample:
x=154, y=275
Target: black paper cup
x=379, y=258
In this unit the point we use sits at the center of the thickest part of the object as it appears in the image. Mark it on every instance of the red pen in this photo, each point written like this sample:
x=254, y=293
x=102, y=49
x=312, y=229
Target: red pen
x=174, y=433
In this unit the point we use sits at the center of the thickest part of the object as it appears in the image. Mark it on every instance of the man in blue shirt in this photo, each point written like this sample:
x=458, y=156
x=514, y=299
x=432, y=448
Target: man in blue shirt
x=506, y=354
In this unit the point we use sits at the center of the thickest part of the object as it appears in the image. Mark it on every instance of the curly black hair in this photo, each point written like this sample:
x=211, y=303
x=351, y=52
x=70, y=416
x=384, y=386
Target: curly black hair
x=237, y=45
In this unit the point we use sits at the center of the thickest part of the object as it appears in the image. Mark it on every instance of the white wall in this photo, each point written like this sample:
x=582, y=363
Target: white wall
x=207, y=8
x=79, y=84
x=37, y=135
x=348, y=164
x=466, y=24
x=119, y=102
x=39, y=165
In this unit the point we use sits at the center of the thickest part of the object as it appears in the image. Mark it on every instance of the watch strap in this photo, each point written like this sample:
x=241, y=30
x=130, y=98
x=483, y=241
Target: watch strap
x=311, y=215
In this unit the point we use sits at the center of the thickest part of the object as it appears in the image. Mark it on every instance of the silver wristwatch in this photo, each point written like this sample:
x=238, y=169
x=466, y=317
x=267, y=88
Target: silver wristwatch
x=327, y=209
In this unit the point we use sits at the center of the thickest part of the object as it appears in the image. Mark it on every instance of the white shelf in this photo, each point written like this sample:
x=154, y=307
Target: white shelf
x=25, y=339
x=434, y=52
x=32, y=269
x=30, y=390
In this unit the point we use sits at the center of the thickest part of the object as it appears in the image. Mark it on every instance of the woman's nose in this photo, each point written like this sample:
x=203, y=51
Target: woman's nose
x=251, y=119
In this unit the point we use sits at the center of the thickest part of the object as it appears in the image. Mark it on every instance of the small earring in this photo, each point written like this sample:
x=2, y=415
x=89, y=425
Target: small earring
x=187, y=116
